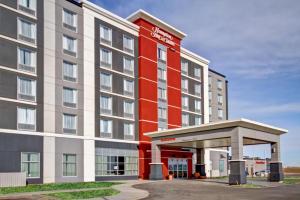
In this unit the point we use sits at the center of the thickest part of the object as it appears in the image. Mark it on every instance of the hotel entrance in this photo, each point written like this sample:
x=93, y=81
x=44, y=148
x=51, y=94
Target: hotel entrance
x=178, y=167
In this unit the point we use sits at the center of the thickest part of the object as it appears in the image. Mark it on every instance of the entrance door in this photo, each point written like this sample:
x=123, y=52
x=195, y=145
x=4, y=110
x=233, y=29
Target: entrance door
x=178, y=167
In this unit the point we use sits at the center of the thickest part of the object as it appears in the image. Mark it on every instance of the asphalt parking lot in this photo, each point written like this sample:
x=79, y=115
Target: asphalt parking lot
x=195, y=190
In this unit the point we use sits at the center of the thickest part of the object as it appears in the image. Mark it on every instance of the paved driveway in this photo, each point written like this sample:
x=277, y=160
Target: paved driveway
x=190, y=190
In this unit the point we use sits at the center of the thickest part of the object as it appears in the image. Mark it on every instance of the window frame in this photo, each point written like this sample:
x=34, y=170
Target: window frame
x=63, y=71
x=19, y=49
x=35, y=9
x=124, y=68
x=126, y=49
x=76, y=124
x=76, y=168
x=186, y=65
x=65, y=51
x=19, y=78
x=188, y=119
x=35, y=118
x=128, y=93
x=104, y=64
x=63, y=97
x=39, y=162
x=19, y=21
x=109, y=41
x=75, y=20
x=105, y=87
x=111, y=131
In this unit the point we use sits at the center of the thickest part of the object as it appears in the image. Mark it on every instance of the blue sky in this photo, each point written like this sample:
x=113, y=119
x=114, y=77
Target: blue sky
x=256, y=44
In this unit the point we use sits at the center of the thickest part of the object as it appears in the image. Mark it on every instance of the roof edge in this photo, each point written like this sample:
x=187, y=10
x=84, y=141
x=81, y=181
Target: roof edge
x=145, y=15
x=242, y=122
x=194, y=55
x=218, y=73
x=109, y=15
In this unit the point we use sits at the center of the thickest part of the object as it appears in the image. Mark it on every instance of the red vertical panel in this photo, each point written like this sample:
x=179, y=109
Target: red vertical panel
x=148, y=93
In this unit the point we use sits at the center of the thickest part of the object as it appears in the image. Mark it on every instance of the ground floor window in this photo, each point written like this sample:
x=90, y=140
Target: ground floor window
x=114, y=162
x=69, y=165
x=30, y=163
x=221, y=165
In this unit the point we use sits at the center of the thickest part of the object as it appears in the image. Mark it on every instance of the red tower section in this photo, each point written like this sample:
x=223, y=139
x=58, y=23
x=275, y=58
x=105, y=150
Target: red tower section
x=150, y=35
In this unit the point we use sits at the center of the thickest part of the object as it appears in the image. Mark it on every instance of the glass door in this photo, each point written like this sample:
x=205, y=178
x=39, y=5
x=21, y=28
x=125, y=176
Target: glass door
x=178, y=167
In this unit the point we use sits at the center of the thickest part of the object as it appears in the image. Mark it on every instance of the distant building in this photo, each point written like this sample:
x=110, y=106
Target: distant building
x=256, y=165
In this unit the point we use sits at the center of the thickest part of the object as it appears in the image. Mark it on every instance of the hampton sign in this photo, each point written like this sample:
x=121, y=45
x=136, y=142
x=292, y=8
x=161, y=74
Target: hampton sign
x=163, y=36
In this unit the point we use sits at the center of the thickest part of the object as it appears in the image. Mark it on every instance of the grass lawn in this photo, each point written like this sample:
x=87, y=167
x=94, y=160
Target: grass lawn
x=55, y=186
x=84, y=194
x=291, y=180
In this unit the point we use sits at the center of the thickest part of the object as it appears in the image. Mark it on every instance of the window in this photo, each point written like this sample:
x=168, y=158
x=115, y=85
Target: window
x=209, y=81
x=184, y=85
x=198, y=90
x=185, y=120
x=162, y=93
x=220, y=84
x=105, y=35
x=162, y=75
x=220, y=113
x=105, y=128
x=27, y=31
x=221, y=166
x=198, y=106
x=128, y=44
x=162, y=113
x=128, y=65
x=184, y=67
x=198, y=120
x=30, y=163
x=197, y=72
x=28, y=6
x=69, y=19
x=69, y=97
x=123, y=162
x=210, y=110
x=128, y=131
x=105, y=105
x=69, y=165
x=69, y=45
x=105, y=58
x=26, y=89
x=69, y=123
x=26, y=60
x=128, y=87
x=69, y=71
x=209, y=95
x=26, y=118
x=105, y=81
x=220, y=99
x=185, y=102
x=161, y=54
x=128, y=109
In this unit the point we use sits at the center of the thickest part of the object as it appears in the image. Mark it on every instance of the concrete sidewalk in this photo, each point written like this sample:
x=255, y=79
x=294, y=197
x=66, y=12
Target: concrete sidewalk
x=127, y=192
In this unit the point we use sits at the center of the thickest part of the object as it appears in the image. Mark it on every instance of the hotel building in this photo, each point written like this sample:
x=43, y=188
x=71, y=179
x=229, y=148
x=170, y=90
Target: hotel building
x=80, y=87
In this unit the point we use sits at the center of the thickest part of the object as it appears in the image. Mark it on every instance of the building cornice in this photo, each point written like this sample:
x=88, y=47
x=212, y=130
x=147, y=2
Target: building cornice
x=110, y=15
x=141, y=14
x=189, y=54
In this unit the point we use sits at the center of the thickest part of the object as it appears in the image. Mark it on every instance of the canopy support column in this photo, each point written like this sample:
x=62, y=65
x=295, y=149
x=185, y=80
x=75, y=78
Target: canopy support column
x=156, y=164
x=237, y=174
x=276, y=172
